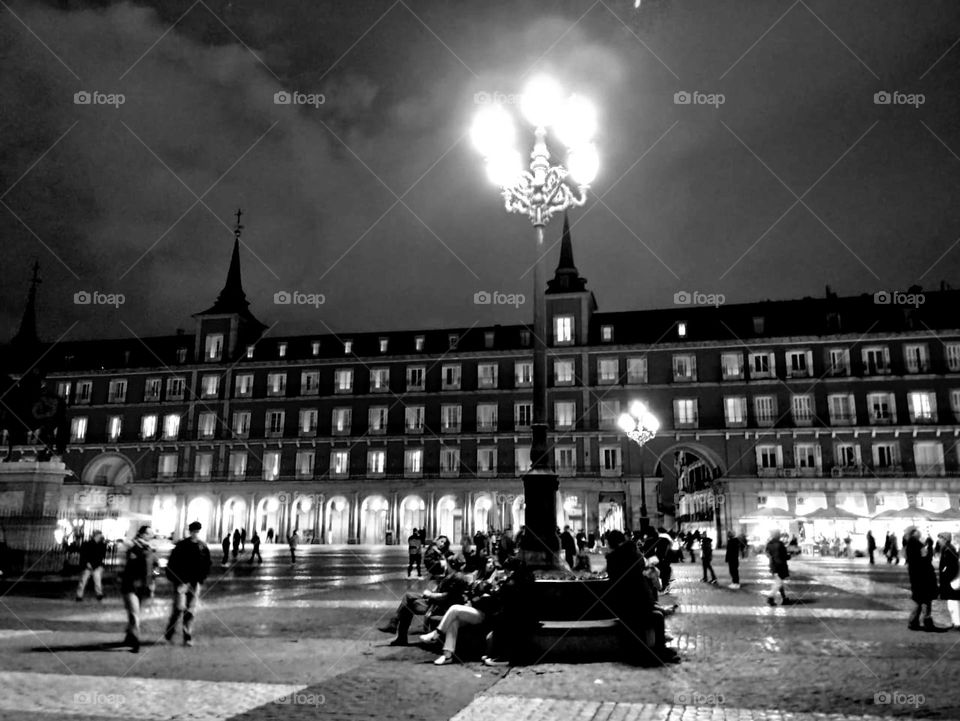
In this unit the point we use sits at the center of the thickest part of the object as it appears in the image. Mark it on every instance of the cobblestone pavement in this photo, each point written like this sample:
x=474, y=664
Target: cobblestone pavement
x=280, y=642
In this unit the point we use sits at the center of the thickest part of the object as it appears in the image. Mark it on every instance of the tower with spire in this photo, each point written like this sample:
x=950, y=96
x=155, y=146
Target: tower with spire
x=227, y=327
x=24, y=346
x=567, y=293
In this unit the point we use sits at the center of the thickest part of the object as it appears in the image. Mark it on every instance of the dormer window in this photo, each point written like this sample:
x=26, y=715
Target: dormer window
x=525, y=338
x=181, y=355
x=606, y=333
x=682, y=329
x=282, y=350
x=488, y=337
x=454, y=338
x=315, y=348
x=383, y=345
x=758, y=323
x=213, y=347
x=249, y=351
x=563, y=330
x=418, y=343
x=347, y=347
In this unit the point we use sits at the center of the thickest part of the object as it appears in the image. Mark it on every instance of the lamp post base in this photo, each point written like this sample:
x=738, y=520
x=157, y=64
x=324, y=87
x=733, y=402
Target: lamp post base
x=540, y=547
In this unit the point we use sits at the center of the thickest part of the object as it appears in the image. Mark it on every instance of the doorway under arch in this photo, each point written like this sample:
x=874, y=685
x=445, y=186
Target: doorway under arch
x=338, y=520
x=373, y=520
x=413, y=514
x=450, y=519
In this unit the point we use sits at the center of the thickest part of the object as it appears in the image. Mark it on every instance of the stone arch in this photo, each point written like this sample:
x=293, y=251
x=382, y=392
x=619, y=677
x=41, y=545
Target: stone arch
x=686, y=467
x=108, y=469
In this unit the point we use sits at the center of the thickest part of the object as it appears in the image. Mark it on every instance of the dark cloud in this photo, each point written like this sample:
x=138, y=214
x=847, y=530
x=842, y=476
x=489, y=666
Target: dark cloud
x=398, y=99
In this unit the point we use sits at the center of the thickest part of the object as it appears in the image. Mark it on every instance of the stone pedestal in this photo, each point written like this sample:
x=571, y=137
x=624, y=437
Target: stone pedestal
x=29, y=499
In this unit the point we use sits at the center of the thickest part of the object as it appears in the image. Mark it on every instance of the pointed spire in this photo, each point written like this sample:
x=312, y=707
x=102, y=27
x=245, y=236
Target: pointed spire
x=232, y=299
x=26, y=336
x=567, y=278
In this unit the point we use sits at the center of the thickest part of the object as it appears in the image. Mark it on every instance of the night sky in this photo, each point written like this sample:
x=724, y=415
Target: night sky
x=377, y=200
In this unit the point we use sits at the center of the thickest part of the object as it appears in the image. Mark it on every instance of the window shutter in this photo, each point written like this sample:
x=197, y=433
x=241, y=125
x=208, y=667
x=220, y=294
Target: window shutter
x=818, y=456
x=911, y=409
x=852, y=405
x=773, y=365
x=756, y=450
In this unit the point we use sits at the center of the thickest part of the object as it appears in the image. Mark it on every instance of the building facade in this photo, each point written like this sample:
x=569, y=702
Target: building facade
x=832, y=403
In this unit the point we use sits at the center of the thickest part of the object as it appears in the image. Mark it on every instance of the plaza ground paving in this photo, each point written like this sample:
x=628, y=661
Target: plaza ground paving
x=283, y=641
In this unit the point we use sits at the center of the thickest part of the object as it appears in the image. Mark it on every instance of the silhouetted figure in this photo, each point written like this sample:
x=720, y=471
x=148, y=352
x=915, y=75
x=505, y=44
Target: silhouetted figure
x=256, y=547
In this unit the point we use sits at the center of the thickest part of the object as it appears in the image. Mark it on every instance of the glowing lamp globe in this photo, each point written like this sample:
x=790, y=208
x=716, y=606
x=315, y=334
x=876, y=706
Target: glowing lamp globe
x=492, y=130
x=504, y=168
x=626, y=422
x=577, y=123
x=583, y=163
x=305, y=505
x=542, y=101
x=272, y=505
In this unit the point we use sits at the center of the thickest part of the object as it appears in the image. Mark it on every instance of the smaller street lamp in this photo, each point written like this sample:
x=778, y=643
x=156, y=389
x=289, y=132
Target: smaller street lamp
x=640, y=426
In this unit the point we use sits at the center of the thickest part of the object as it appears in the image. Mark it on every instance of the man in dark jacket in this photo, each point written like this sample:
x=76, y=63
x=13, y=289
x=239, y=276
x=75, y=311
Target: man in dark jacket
x=779, y=571
x=923, y=581
x=629, y=597
x=732, y=557
x=187, y=569
x=871, y=546
x=137, y=583
x=569, y=545
x=92, y=553
x=663, y=547
x=949, y=570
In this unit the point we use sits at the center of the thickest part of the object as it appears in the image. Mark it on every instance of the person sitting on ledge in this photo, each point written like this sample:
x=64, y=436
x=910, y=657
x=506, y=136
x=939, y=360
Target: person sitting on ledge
x=451, y=589
x=629, y=597
x=481, y=601
x=436, y=556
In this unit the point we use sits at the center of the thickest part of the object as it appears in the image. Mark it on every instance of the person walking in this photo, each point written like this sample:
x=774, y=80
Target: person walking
x=293, y=540
x=569, y=545
x=779, y=570
x=92, y=553
x=187, y=569
x=255, y=542
x=270, y=535
x=243, y=539
x=871, y=546
x=225, y=545
x=923, y=581
x=732, y=557
x=949, y=569
x=894, y=551
x=236, y=543
x=414, y=553
x=706, y=559
x=137, y=584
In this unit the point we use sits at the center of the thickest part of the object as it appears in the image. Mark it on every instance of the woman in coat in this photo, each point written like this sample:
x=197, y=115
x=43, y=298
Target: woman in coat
x=949, y=581
x=923, y=580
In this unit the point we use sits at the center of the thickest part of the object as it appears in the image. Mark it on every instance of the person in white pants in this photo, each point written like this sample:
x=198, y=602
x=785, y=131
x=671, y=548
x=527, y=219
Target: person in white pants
x=455, y=616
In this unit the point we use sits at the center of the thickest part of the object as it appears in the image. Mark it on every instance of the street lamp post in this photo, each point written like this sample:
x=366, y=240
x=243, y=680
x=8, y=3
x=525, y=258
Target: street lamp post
x=640, y=426
x=540, y=191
